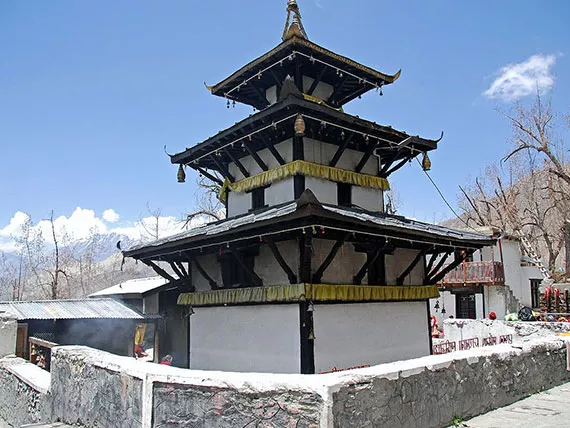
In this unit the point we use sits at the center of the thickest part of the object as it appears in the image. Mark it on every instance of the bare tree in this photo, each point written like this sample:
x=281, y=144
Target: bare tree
x=527, y=194
x=210, y=207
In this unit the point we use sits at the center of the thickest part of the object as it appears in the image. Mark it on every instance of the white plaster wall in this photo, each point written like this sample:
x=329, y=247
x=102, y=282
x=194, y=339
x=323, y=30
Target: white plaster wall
x=267, y=267
x=280, y=192
x=495, y=300
x=369, y=199
x=8, y=334
x=479, y=313
x=261, y=338
x=348, y=335
x=344, y=267
x=285, y=149
x=325, y=191
x=211, y=265
x=238, y=203
x=322, y=91
x=398, y=262
x=322, y=153
x=447, y=300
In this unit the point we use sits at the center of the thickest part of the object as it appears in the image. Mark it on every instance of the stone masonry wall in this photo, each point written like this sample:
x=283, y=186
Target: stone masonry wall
x=462, y=385
x=98, y=389
x=93, y=395
x=192, y=406
x=8, y=332
x=22, y=402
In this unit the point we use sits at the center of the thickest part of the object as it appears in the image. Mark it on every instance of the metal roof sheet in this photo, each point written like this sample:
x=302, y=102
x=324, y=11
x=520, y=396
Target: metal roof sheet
x=132, y=286
x=69, y=309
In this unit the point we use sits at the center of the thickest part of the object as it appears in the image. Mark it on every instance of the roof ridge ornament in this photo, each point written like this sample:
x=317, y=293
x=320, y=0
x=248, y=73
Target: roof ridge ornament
x=296, y=28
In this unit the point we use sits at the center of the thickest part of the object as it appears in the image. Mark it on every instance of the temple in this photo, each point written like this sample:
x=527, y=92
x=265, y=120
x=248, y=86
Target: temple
x=308, y=273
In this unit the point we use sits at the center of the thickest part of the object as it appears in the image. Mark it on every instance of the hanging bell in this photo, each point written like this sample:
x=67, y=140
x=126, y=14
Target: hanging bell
x=311, y=335
x=311, y=307
x=436, y=306
x=181, y=174
x=426, y=163
x=228, y=104
x=443, y=311
x=299, y=126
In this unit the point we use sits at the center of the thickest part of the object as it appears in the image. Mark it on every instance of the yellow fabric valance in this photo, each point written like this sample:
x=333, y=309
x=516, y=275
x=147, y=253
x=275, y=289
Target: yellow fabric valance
x=304, y=292
x=300, y=167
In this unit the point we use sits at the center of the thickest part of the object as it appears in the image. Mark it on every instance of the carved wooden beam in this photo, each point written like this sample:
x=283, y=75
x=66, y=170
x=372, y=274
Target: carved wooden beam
x=318, y=275
x=397, y=167
x=292, y=277
x=223, y=168
x=458, y=260
x=366, y=156
x=274, y=152
x=341, y=150
x=159, y=270
x=238, y=163
x=419, y=256
x=439, y=265
x=183, y=275
x=213, y=284
x=392, y=158
x=249, y=272
x=317, y=80
x=210, y=176
x=256, y=157
x=337, y=89
x=357, y=280
x=278, y=82
x=430, y=263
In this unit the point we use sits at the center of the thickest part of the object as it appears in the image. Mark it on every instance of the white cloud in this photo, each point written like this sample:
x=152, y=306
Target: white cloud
x=15, y=225
x=110, y=216
x=515, y=81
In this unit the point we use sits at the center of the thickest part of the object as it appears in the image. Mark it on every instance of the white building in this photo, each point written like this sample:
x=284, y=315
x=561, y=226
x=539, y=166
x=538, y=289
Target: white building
x=496, y=279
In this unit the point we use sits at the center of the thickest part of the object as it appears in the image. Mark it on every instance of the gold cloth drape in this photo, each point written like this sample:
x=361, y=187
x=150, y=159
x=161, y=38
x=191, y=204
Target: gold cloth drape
x=300, y=167
x=304, y=292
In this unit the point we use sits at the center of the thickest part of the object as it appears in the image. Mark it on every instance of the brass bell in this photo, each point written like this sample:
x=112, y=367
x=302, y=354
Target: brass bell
x=426, y=163
x=299, y=126
x=181, y=174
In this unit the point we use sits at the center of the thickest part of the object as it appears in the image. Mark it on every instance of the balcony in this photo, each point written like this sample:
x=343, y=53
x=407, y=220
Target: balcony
x=475, y=273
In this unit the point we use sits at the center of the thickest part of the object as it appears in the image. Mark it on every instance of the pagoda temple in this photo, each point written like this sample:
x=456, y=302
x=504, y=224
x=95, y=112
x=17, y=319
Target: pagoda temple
x=308, y=273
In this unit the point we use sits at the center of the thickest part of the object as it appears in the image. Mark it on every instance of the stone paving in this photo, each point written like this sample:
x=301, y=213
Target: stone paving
x=548, y=409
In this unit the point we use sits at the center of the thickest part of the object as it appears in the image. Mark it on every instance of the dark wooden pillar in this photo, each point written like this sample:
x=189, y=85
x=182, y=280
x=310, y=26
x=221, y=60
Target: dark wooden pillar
x=306, y=317
x=298, y=154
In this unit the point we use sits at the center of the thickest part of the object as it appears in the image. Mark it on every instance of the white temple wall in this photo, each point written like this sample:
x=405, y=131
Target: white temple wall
x=267, y=267
x=260, y=338
x=369, y=199
x=344, y=267
x=348, y=335
x=398, y=262
x=322, y=153
x=212, y=267
x=280, y=192
x=325, y=191
x=238, y=203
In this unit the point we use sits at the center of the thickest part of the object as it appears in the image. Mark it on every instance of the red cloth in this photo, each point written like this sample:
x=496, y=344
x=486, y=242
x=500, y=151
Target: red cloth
x=492, y=316
x=166, y=363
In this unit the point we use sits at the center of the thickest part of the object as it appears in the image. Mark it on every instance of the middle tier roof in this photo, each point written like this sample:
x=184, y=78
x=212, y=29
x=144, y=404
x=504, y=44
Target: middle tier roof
x=276, y=124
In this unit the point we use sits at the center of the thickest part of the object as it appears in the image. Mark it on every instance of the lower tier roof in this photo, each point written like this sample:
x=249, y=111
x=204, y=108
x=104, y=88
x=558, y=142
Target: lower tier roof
x=308, y=214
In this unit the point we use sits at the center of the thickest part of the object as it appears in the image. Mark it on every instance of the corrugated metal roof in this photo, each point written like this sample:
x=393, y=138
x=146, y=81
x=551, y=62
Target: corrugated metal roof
x=133, y=286
x=69, y=309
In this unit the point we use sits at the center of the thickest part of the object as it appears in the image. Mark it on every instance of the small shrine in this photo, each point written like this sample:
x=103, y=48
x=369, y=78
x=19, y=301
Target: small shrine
x=308, y=273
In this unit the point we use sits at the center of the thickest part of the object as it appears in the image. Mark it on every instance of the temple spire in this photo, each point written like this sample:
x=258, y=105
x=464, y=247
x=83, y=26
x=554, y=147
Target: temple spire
x=296, y=28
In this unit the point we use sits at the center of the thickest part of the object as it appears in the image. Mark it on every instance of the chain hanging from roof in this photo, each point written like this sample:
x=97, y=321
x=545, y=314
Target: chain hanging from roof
x=296, y=28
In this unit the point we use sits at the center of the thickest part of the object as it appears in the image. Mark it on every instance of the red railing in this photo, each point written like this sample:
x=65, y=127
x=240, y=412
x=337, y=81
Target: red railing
x=486, y=273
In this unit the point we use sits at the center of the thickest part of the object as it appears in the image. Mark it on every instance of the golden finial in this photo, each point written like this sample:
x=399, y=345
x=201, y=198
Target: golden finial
x=296, y=28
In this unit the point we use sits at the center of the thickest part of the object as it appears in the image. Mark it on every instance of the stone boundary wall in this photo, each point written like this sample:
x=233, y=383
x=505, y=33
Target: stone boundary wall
x=462, y=329
x=24, y=395
x=97, y=389
x=8, y=333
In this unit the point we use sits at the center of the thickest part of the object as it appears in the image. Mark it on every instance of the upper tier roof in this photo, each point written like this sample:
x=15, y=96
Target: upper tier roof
x=276, y=124
x=297, y=56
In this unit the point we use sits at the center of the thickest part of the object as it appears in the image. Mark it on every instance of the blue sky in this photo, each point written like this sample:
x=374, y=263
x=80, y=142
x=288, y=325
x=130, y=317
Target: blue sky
x=91, y=91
